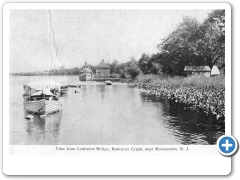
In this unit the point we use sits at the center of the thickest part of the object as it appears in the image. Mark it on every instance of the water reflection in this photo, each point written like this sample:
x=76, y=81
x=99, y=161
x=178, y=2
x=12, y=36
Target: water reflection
x=44, y=130
x=187, y=125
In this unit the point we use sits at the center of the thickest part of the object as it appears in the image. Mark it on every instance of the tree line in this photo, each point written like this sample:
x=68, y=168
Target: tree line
x=190, y=44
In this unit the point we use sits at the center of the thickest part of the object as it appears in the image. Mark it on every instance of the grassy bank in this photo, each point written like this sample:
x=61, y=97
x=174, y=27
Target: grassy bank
x=217, y=81
x=196, y=92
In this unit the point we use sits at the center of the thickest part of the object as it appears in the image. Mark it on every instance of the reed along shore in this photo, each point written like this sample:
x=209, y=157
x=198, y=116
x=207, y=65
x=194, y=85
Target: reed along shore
x=202, y=93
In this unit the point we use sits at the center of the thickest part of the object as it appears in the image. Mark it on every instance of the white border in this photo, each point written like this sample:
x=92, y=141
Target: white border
x=115, y=164
x=117, y=6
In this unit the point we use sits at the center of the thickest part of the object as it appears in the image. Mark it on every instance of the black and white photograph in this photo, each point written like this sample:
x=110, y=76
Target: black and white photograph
x=118, y=79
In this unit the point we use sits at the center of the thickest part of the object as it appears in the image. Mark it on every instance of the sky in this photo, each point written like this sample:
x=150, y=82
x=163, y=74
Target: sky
x=88, y=35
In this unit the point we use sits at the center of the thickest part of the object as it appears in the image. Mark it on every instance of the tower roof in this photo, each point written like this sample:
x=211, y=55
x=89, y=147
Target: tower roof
x=102, y=64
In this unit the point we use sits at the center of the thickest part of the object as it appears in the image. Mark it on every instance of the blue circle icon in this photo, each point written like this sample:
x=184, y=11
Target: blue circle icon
x=227, y=145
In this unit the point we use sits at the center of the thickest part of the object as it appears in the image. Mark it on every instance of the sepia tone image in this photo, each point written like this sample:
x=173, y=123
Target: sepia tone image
x=116, y=77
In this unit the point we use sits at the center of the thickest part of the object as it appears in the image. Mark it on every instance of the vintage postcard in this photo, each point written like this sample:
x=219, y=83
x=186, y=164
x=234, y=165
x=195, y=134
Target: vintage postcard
x=116, y=88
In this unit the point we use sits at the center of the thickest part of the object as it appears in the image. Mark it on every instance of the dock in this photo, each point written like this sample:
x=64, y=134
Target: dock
x=105, y=79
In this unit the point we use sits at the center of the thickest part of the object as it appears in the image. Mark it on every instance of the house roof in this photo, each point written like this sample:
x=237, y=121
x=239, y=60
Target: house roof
x=197, y=68
x=103, y=65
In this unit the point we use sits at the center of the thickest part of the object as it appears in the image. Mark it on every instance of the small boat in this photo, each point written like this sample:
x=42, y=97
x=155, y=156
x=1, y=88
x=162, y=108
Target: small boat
x=29, y=117
x=108, y=82
x=42, y=101
x=85, y=73
x=63, y=89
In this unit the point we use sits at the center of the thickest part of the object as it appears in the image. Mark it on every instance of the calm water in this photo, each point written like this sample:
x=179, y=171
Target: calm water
x=108, y=115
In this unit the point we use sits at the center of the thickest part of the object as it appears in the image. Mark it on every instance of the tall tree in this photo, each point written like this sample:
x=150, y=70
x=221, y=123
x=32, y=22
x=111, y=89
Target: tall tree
x=150, y=64
x=210, y=39
x=131, y=67
x=178, y=48
x=155, y=63
x=113, y=66
x=143, y=63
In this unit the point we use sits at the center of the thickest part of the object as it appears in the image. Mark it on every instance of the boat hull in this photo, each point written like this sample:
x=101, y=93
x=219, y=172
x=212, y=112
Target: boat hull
x=43, y=106
x=108, y=82
x=85, y=77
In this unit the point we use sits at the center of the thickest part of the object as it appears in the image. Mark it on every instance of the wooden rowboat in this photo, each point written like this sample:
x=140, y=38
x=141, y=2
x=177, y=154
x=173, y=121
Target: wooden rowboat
x=63, y=89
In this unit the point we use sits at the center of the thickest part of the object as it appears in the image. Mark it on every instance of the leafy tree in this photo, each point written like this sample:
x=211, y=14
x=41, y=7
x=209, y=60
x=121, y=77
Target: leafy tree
x=177, y=49
x=132, y=68
x=155, y=63
x=113, y=66
x=195, y=44
x=217, y=17
x=143, y=63
x=150, y=64
x=210, y=42
x=120, y=71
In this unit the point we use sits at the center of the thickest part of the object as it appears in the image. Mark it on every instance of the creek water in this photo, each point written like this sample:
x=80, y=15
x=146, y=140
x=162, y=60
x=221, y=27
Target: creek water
x=108, y=115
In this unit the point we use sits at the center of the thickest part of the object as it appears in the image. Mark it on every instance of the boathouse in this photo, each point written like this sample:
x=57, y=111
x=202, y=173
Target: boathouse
x=102, y=70
x=197, y=71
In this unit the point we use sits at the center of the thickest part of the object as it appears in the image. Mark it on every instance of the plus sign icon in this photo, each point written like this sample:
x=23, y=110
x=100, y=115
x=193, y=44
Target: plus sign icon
x=227, y=145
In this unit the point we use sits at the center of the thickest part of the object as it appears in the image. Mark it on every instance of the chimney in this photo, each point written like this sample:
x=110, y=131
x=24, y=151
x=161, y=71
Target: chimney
x=102, y=61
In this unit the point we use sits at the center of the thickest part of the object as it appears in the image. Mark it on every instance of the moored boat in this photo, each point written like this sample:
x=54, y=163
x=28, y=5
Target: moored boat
x=85, y=77
x=42, y=100
x=85, y=73
x=63, y=89
x=108, y=82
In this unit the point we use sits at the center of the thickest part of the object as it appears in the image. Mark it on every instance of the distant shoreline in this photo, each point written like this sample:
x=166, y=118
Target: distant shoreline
x=16, y=74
